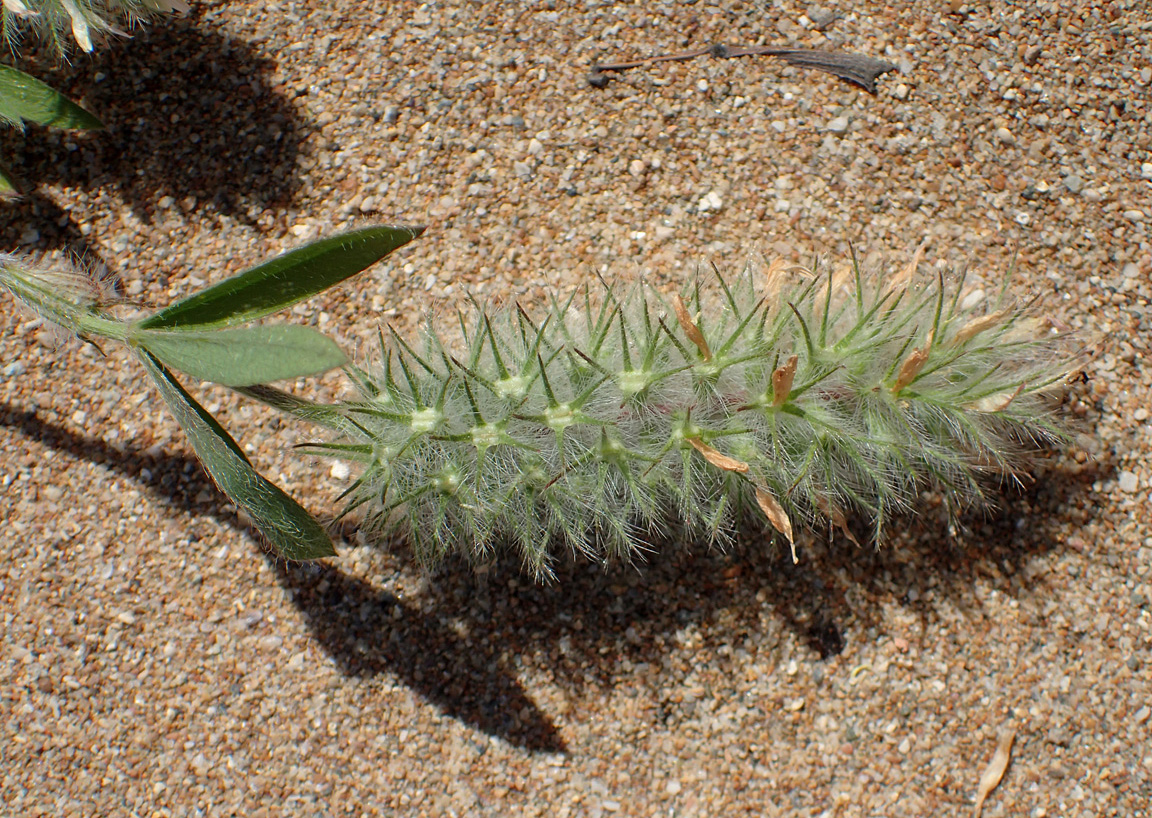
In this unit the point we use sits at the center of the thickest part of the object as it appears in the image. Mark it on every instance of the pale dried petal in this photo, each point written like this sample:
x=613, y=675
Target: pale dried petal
x=690, y=329
x=912, y=366
x=841, y=283
x=901, y=279
x=836, y=516
x=778, y=517
x=774, y=278
x=996, y=767
x=997, y=402
x=168, y=5
x=782, y=381
x=978, y=325
x=844, y=278
x=718, y=459
x=79, y=25
x=19, y=9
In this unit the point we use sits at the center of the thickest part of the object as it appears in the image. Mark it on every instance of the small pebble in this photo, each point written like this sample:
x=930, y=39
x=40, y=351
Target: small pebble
x=972, y=299
x=838, y=126
x=711, y=201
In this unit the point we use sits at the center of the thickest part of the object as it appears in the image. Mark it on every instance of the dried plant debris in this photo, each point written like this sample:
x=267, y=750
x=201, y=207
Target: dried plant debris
x=996, y=768
x=855, y=68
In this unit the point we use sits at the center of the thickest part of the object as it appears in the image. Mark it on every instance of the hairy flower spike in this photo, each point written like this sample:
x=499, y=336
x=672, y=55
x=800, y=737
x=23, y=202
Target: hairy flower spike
x=815, y=397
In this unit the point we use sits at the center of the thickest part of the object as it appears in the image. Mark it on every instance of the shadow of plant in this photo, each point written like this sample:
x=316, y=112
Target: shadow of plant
x=605, y=616
x=188, y=113
x=463, y=642
x=367, y=630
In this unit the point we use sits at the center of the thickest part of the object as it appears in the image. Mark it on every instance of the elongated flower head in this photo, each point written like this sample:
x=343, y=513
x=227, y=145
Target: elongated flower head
x=800, y=397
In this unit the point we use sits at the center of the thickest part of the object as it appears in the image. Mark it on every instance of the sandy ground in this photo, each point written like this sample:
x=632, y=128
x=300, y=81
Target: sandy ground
x=155, y=661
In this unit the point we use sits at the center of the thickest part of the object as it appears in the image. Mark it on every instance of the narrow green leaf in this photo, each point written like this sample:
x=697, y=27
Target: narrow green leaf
x=291, y=530
x=23, y=98
x=285, y=280
x=243, y=356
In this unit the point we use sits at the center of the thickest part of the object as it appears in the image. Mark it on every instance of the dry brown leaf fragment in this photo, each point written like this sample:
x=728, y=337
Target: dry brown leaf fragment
x=690, y=328
x=836, y=516
x=979, y=325
x=912, y=365
x=717, y=458
x=996, y=768
x=782, y=381
x=777, y=516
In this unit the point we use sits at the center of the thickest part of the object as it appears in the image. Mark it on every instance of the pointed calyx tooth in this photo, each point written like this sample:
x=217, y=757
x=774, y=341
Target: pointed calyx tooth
x=912, y=365
x=777, y=516
x=978, y=325
x=782, y=381
x=690, y=329
x=718, y=459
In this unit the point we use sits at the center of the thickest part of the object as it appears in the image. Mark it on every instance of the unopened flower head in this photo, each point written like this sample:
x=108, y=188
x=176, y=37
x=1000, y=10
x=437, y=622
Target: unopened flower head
x=63, y=291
